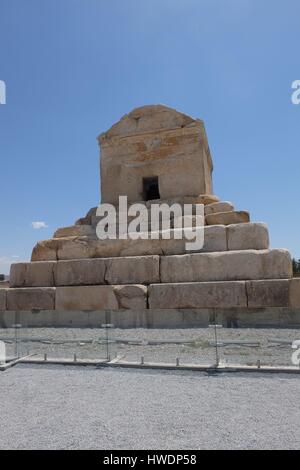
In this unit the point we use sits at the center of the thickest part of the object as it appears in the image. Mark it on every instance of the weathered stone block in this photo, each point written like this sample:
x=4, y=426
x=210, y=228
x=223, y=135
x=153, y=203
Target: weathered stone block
x=79, y=272
x=100, y=297
x=35, y=298
x=215, y=238
x=45, y=250
x=76, y=248
x=75, y=231
x=207, y=199
x=142, y=247
x=187, y=221
x=250, y=236
x=227, y=266
x=132, y=270
x=2, y=300
x=200, y=199
x=38, y=274
x=87, y=220
x=131, y=297
x=219, y=207
x=83, y=247
x=268, y=293
x=295, y=293
x=227, y=218
x=129, y=270
x=85, y=298
x=198, y=295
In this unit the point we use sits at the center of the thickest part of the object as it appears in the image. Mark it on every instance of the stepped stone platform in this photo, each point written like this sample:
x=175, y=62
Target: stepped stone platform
x=156, y=155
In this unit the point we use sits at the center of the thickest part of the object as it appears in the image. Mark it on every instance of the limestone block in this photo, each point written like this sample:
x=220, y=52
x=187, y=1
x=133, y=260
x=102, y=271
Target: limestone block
x=219, y=207
x=128, y=270
x=227, y=218
x=87, y=220
x=84, y=247
x=38, y=274
x=83, y=221
x=268, y=293
x=295, y=292
x=247, y=236
x=198, y=295
x=86, y=298
x=215, y=238
x=72, y=248
x=2, y=300
x=79, y=272
x=201, y=199
x=142, y=247
x=119, y=221
x=207, y=199
x=100, y=297
x=75, y=231
x=188, y=221
x=131, y=297
x=45, y=250
x=227, y=266
x=132, y=270
x=32, y=298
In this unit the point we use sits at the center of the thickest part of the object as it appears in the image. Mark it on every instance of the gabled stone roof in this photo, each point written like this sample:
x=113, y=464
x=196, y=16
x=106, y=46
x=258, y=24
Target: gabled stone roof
x=148, y=118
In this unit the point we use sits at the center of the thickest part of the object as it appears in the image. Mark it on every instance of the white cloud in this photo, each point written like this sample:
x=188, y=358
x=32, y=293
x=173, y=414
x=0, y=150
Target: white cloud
x=39, y=225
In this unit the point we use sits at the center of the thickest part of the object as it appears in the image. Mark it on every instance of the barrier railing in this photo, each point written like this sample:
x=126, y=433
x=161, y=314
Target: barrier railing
x=211, y=344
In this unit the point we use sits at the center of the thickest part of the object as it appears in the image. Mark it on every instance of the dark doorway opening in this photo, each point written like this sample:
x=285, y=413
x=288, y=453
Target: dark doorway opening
x=150, y=188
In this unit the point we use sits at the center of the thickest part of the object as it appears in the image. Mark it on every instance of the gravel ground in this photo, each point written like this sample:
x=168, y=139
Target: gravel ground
x=198, y=349
x=55, y=407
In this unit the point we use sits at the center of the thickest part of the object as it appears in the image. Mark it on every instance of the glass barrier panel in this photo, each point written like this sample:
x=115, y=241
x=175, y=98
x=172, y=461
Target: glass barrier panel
x=268, y=338
x=8, y=344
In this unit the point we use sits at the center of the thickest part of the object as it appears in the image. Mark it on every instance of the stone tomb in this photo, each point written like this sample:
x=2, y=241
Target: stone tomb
x=156, y=154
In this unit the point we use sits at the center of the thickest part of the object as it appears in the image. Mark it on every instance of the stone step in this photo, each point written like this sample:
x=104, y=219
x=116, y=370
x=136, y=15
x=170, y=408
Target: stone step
x=230, y=294
x=211, y=208
x=75, y=231
x=216, y=238
x=226, y=266
x=121, y=228
x=205, y=199
x=126, y=270
x=85, y=298
x=227, y=218
x=283, y=293
x=200, y=267
x=222, y=206
x=218, y=213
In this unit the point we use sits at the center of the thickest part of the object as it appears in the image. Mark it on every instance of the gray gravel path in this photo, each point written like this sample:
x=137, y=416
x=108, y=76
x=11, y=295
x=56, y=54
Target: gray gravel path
x=54, y=407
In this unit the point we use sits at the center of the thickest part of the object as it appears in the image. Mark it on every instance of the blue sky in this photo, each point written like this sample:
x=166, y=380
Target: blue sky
x=73, y=67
